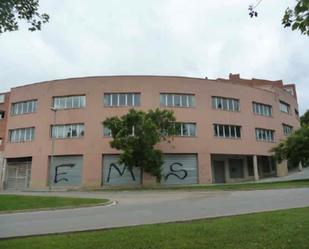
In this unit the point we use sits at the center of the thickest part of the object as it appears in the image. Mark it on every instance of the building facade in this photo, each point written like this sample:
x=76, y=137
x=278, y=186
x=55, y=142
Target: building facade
x=52, y=132
x=4, y=106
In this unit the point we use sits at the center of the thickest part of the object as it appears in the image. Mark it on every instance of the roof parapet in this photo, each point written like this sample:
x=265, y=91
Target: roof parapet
x=254, y=82
x=234, y=76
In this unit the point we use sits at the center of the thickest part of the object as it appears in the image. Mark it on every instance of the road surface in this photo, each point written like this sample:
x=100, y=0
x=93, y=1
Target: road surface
x=148, y=207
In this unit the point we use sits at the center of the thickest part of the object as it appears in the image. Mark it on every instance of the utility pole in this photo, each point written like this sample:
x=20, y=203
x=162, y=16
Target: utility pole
x=52, y=149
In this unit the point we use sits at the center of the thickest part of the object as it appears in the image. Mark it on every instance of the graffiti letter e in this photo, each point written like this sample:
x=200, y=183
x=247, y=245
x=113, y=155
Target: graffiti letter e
x=56, y=179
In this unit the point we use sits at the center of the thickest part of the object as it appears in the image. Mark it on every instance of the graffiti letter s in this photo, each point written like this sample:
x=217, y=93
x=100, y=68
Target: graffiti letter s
x=174, y=172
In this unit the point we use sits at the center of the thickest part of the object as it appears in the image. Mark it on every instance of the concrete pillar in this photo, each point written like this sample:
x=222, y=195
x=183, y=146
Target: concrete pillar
x=255, y=168
x=92, y=170
x=300, y=167
x=204, y=168
x=149, y=180
x=2, y=171
x=39, y=172
x=282, y=168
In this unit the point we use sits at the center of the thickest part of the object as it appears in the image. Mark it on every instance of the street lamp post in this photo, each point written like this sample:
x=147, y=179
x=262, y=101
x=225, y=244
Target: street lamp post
x=52, y=149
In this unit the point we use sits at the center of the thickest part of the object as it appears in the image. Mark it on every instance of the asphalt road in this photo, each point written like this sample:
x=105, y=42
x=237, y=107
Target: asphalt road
x=149, y=207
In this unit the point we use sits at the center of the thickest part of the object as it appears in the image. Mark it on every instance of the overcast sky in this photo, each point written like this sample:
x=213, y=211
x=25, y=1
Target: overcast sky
x=196, y=38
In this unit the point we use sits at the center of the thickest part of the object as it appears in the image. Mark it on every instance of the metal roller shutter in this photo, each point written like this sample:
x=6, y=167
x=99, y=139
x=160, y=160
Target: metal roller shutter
x=18, y=175
x=115, y=174
x=179, y=169
x=66, y=171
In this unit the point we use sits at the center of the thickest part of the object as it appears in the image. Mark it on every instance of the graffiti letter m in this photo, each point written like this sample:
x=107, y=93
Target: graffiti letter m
x=113, y=165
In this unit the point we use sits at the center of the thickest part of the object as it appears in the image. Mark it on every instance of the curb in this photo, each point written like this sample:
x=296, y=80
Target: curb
x=107, y=204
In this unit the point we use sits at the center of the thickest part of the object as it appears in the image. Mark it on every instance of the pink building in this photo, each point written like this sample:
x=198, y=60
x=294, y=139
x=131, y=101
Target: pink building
x=54, y=136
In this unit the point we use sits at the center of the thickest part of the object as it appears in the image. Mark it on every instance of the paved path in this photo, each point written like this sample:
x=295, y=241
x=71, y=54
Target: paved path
x=148, y=207
x=294, y=175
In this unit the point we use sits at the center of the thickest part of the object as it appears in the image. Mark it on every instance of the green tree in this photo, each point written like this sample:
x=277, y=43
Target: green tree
x=11, y=11
x=297, y=18
x=295, y=148
x=136, y=134
x=304, y=119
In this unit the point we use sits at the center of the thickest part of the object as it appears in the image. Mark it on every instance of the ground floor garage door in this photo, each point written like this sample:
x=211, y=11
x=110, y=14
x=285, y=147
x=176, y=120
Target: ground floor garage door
x=18, y=175
x=66, y=171
x=179, y=169
x=115, y=174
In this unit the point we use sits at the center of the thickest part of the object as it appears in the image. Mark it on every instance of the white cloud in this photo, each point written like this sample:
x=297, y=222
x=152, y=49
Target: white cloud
x=164, y=37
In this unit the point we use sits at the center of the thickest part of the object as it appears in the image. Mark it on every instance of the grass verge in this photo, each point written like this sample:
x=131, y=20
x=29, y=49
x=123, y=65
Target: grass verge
x=254, y=186
x=287, y=229
x=11, y=203
x=231, y=186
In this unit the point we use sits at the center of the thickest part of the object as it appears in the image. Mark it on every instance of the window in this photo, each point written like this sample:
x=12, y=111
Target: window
x=185, y=129
x=262, y=109
x=264, y=135
x=296, y=113
x=177, y=100
x=107, y=132
x=236, y=168
x=227, y=131
x=69, y=102
x=122, y=99
x=2, y=115
x=284, y=107
x=67, y=131
x=19, y=108
x=226, y=104
x=287, y=129
x=2, y=98
x=0, y=141
x=21, y=135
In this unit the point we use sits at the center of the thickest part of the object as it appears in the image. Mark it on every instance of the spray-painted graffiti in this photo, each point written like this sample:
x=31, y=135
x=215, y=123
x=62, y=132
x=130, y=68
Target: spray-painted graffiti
x=59, y=176
x=120, y=172
x=176, y=169
x=175, y=172
x=179, y=169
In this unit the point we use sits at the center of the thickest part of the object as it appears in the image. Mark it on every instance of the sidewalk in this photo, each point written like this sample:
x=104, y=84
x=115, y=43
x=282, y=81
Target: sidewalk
x=294, y=175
